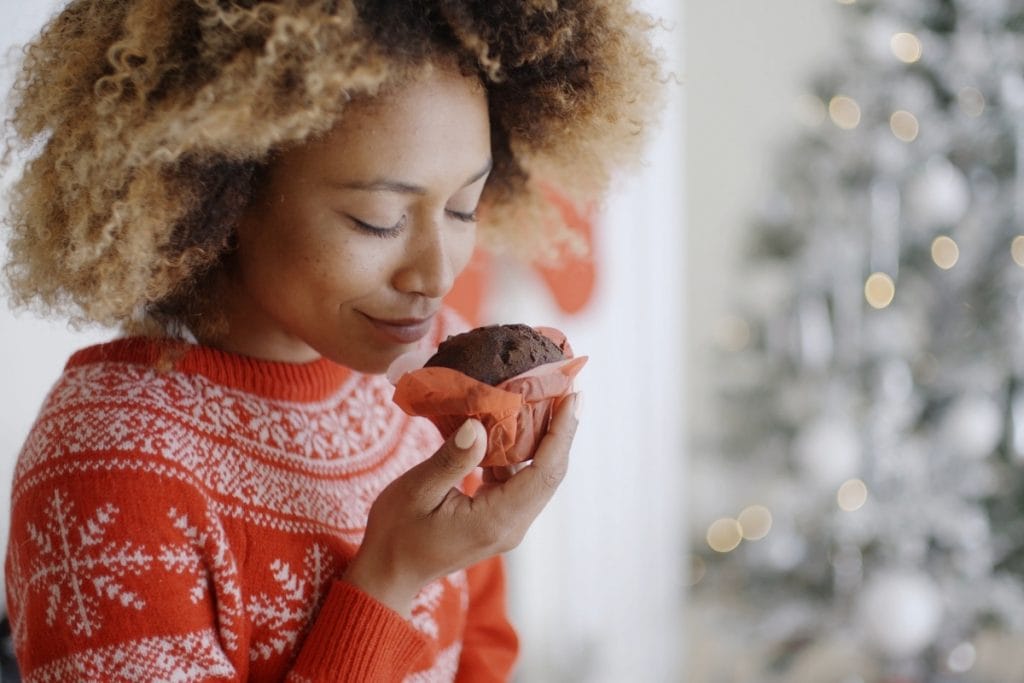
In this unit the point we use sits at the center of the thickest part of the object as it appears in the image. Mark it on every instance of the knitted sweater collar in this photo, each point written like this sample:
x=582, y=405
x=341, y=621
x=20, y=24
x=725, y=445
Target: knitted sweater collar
x=312, y=381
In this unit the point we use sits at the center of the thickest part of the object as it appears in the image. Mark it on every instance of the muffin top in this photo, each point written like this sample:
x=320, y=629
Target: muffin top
x=495, y=353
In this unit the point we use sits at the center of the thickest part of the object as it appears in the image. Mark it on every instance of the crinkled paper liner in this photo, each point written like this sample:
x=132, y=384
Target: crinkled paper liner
x=516, y=413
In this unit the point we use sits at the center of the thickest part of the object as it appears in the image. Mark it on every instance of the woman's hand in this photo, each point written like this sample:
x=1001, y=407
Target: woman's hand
x=422, y=527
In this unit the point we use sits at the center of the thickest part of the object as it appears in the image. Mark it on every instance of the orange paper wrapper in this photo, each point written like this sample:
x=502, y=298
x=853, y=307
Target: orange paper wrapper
x=516, y=413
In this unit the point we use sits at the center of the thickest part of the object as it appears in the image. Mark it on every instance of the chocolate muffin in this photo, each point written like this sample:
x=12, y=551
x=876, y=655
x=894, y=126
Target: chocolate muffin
x=496, y=353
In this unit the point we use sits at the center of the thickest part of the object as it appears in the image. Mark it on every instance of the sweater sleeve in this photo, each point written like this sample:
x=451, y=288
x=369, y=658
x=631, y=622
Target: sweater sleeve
x=490, y=645
x=126, y=576
x=356, y=638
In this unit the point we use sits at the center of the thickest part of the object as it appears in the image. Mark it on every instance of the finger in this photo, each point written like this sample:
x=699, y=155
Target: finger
x=532, y=487
x=433, y=479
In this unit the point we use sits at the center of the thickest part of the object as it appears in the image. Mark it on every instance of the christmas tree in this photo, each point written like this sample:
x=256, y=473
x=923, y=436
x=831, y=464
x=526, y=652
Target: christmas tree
x=860, y=509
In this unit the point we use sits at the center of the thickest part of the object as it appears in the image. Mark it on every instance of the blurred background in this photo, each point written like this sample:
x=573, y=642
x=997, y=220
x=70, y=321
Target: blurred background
x=802, y=457
x=856, y=465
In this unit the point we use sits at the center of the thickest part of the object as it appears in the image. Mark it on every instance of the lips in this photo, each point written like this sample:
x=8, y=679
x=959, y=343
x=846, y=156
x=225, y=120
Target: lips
x=402, y=330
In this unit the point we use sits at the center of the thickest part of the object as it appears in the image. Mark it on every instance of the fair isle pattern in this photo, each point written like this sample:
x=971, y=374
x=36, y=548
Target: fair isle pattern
x=178, y=526
x=257, y=517
x=189, y=558
x=286, y=483
x=77, y=566
x=347, y=428
x=188, y=658
x=96, y=395
x=280, y=618
x=17, y=588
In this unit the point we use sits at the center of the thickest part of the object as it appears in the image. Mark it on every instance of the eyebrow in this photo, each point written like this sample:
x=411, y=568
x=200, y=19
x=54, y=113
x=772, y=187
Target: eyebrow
x=389, y=185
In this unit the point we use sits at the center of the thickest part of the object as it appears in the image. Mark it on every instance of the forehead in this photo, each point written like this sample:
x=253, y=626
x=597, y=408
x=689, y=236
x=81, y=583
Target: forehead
x=423, y=126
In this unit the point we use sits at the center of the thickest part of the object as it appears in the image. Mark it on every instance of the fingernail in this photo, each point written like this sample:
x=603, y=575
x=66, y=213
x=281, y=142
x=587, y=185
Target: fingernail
x=577, y=406
x=466, y=435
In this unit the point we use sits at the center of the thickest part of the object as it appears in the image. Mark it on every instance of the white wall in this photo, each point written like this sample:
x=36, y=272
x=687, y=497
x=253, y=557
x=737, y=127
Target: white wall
x=32, y=351
x=597, y=588
x=747, y=62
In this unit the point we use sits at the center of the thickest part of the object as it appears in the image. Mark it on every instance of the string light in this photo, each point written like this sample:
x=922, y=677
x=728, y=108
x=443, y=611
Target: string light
x=879, y=290
x=971, y=101
x=755, y=522
x=724, y=535
x=1017, y=250
x=844, y=111
x=945, y=252
x=906, y=47
x=852, y=495
x=904, y=125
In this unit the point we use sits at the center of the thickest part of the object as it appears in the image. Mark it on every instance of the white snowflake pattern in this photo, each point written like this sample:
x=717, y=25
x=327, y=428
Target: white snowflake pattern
x=331, y=431
x=206, y=557
x=423, y=608
x=427, y=601
x=73, y=556
x=206, y=403
x=17, y=587
x=285, y=616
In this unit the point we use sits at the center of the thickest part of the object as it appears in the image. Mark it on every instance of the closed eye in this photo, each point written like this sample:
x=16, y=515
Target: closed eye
x=377, y=231
x=465, y=217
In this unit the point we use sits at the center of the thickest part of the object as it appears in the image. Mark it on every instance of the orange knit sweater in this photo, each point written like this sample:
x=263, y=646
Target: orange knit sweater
x=190, y=525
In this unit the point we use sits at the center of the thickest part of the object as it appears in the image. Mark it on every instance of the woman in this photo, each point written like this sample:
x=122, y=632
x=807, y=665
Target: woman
x=271, y=199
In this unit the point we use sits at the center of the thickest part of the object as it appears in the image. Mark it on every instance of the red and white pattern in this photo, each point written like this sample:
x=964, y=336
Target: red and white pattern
x=206, y=557
x=189, y=657
x=280, y=617
x=77, y=565
x=245, y=471
x=183, y=526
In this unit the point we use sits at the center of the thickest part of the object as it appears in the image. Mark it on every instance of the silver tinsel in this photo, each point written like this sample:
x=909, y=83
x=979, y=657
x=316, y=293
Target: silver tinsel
x=913, y=397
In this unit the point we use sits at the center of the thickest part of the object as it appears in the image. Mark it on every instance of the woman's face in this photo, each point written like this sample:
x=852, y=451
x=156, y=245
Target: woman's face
x=358, y=235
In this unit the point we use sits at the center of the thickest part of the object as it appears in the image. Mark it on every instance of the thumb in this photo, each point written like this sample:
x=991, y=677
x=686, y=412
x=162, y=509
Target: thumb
x=453, y=462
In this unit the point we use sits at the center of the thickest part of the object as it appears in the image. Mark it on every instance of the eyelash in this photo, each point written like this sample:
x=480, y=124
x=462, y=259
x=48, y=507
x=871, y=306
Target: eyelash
x=464, y=217
x=384, y=233
x=395, y=230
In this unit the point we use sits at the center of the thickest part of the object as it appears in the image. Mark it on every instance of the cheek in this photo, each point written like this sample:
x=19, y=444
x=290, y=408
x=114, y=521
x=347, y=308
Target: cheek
x=462, y=250
x=351, y=269
x=308, y=264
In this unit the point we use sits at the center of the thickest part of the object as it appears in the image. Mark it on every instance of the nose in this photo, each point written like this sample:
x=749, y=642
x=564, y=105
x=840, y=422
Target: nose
x=427, y=269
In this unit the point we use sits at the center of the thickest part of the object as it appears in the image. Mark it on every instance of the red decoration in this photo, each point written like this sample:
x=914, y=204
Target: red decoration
x=571, y=282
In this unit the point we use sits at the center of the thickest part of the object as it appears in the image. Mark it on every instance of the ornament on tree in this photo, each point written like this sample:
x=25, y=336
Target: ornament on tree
x=939, y=195
x=878, y=33
x=828, y=450
x=973, y=427
x=900, y=612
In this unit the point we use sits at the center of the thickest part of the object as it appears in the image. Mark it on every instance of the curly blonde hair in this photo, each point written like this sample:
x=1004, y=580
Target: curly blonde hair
x=150, y=125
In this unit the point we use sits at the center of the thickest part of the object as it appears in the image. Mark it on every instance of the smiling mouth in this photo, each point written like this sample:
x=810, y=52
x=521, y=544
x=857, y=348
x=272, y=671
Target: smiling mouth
x=402, y=330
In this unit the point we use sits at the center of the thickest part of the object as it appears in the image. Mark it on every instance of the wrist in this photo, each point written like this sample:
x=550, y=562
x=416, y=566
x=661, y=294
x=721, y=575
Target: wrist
x=387, y=587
